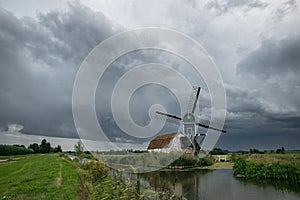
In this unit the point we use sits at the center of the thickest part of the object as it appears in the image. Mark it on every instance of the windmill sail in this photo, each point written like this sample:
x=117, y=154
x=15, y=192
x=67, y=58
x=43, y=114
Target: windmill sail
x=211, y=125
x=193, y=99
x=167, y=117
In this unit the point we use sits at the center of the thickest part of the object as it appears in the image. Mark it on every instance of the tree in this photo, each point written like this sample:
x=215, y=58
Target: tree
x=45, y=146
x=57, y=149
x=78, y=147
x=35, y=147
x=255, y=151
x=282, y=150
x=278, y=150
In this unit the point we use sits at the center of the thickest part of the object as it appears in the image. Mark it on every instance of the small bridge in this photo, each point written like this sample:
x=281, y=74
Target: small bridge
x=222, y=158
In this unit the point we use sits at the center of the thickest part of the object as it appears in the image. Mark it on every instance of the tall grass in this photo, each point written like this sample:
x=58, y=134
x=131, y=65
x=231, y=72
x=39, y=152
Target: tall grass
x=98, y=182
x=264, y=170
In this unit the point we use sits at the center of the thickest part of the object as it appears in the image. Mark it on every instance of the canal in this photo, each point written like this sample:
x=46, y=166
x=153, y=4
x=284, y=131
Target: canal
x=217, y=184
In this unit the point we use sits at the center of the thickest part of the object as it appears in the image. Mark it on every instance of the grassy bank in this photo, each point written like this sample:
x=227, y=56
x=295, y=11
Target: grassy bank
x=51, y=176
x=268, y=166
x=219, y=165
x=39, y=177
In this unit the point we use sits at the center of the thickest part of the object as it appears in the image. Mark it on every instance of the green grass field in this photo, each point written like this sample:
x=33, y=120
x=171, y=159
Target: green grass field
x=38, y=177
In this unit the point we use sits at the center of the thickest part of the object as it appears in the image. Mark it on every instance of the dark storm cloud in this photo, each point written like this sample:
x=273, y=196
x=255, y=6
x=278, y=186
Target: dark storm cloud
x=268, y=106
x=144, y=97
x=273, y=73
x=39, y=58
x=273, y=57
x=39, y=63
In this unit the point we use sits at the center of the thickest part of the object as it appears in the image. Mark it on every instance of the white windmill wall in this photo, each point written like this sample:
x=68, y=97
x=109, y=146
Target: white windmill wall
x=175, y=145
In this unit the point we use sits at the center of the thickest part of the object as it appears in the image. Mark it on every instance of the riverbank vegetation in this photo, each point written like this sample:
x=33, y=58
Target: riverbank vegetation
x=152, y=161
x=188, y=161
x=268, y=166
x=97, y=181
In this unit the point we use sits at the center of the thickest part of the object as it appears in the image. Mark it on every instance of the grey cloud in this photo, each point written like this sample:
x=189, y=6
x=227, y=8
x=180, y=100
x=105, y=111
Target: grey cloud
x=77, y=30
x=267, y=104
x=242, y=100
x=39, y=66
x=272, y=70
x=228, y=5
x=286, y=8
x=144, y=97
x=39, y=59
x=273, y=57
x=262, y=107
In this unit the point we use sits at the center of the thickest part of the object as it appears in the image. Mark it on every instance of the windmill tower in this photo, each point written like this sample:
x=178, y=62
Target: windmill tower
x=190, y=121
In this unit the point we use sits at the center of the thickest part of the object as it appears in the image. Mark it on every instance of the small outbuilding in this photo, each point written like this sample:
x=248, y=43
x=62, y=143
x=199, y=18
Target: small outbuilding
x=170, y=142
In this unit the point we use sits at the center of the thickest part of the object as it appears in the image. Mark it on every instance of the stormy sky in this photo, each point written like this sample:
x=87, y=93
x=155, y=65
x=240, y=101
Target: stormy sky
x=254, y=43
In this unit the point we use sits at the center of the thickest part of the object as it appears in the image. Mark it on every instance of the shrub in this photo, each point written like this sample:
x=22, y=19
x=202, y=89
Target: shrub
x=7, y=150
x=206, y=161
x=239, y=166
x=192, y=161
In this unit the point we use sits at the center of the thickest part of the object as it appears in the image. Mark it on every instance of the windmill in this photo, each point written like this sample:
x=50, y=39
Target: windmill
x=190, y=121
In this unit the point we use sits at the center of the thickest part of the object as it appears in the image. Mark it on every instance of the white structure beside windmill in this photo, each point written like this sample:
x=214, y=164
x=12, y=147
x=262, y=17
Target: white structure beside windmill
x=170, y=142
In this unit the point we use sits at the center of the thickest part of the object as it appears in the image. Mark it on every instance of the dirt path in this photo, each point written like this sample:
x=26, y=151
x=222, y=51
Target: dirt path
x=59, y=177
x=20, y=170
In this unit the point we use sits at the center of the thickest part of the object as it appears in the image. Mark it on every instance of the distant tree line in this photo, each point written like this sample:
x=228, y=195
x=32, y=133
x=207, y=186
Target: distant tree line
x=8, y=150
x=44, y=147
x=256, y=151
x=219, y=151
x=123, y=151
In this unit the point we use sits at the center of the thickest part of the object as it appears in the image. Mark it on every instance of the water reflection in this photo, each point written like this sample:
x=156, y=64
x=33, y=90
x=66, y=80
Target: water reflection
x=216, y=184
x=283, y=186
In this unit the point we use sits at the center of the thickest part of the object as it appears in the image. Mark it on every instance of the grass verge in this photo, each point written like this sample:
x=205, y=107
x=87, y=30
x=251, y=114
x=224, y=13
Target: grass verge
x=39, y=177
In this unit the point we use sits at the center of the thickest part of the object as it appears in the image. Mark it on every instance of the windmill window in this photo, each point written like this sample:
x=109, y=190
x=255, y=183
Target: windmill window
x=190, y=130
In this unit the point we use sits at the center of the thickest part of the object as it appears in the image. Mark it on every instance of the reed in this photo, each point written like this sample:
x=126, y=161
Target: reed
x=97, y=181
x=266, y=170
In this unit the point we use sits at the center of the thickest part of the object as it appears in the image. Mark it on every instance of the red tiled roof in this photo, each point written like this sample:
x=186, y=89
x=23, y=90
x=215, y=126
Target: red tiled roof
x=161, y=141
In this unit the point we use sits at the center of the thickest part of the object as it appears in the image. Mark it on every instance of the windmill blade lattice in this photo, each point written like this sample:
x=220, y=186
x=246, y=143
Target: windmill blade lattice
x=193, y=99
x=211, y=125
x=168, y=118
